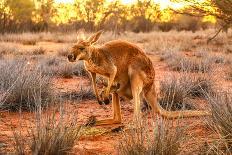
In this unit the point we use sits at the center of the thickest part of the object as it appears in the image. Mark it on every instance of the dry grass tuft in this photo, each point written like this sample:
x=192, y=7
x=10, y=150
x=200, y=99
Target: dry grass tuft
x=176, y=92
x=199, y=85
x=59, y=66
x=173, y=94
x=50, y=134
x=24, y=38
x=8, y=48
x=177, y=61
x=190, y=64
x=66, y=70
x=159, y=137
x=63, y=51
x=22, y=85
x=221, y=123
x=38, y=51
x=84, y=93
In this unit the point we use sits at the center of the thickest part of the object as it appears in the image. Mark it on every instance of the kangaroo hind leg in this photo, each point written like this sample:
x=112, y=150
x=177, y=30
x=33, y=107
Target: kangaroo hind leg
x=136, y=89
x=116, y=112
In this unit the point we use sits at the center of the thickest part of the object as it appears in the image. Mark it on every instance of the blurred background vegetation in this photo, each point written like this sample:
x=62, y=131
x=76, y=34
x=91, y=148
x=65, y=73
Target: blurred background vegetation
x=113, y=15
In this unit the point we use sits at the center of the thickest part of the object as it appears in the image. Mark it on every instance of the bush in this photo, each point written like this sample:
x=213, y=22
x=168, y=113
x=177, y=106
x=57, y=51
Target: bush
x=173, y=94
x=57, y=66
x=8, y=48
x=198, y=85
x=38, y=51
x=63, y=51
x=85, y=93
x=221, y=122
x=160, y=138
x=22, y=85
x=49, y=135
x=181, y=63
x=176, y=92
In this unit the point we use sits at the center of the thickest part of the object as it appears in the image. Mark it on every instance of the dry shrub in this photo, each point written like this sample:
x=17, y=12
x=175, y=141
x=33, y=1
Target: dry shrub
x=160, y=137
x=84, y=93
x=177, y=92
x=199, y=85
x=50, y=134
x=66, y=70
x=182, y=63
x=8, y=48
x=63, y=51
x=22, y=84
x=221, y=122
x=29, y=42
x=79, y=69
x=173, y=94
x=169, y=54
x=38, y=51
x=23, y=38
x=59, y=66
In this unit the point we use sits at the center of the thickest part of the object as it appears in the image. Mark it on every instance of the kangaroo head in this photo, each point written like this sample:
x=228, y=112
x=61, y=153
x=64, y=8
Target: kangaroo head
x=83, y=48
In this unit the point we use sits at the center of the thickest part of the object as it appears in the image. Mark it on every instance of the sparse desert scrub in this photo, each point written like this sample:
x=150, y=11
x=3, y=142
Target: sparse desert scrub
x=66, y=70
x=64, y=51
x=198, y=85
x=176, y=92
x=183, y=63
x=169, y=53
x=9, y=48
x=38, y=51
x=23, y=38
x=221, y=123
x=159, y=137
x=49, y=134
x=173, y=94
x=59, y=66
x=22, y=84
x=83, y=93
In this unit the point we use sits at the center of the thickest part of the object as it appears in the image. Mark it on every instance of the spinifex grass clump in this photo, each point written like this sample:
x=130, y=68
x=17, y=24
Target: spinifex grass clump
x=198, y=85
x=221, y=122
x=159, y=137
x=173, y=94
x=60, y=67
x=50, y=134
x=180, y=62
x=22, y=84
x=176, y=92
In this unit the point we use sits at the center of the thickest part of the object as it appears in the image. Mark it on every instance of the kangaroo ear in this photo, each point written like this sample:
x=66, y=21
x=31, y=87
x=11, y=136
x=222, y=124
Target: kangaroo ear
x=94, y=38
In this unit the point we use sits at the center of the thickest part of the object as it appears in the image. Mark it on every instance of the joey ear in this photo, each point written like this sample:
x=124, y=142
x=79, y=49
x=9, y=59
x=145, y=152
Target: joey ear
x=94, y=38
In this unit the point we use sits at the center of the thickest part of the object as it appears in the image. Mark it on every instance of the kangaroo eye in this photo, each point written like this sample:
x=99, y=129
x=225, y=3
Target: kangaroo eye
x=81, y=48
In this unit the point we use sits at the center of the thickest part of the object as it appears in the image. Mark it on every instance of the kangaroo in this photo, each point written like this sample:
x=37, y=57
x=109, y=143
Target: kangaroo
x=126, y=65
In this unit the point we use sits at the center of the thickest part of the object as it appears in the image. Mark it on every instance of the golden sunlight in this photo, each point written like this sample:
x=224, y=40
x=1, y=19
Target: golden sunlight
x=64, y=1
x=163, y=3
